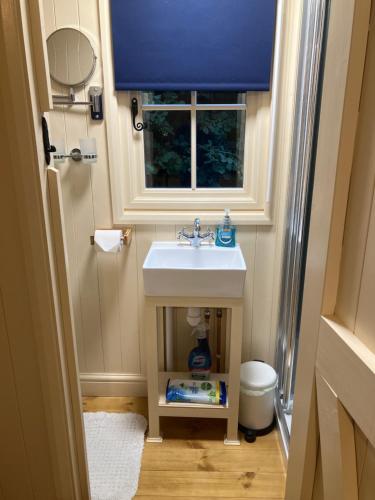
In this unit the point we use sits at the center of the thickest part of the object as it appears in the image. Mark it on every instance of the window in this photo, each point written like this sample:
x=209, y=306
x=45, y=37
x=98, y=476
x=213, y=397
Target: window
x=194, y=140
x=201, y=152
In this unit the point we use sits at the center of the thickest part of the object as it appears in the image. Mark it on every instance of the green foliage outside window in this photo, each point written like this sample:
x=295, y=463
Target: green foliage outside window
x=168, y=147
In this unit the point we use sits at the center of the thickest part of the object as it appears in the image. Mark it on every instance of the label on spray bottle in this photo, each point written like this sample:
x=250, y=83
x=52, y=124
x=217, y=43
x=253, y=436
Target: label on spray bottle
x=199, y=366
x=200, y=357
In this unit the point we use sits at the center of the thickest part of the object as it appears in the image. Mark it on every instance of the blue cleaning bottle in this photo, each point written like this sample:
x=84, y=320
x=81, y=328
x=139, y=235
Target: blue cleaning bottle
x=200, y=360
x=226, y=232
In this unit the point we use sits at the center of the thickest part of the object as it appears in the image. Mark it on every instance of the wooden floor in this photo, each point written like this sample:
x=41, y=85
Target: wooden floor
x=193, y=462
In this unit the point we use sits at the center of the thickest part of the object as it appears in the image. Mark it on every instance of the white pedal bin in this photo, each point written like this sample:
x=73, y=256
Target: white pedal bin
x=257, y=393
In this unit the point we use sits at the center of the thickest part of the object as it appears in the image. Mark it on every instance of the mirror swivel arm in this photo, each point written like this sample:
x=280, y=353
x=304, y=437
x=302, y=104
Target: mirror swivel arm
x=137, y=126
x=95, y=102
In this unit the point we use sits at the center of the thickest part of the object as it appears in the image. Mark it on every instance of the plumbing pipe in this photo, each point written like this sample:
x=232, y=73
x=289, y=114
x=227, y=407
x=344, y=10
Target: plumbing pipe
x=193, y=316
x=169, y=341
x=219, y=315
x=210, y=328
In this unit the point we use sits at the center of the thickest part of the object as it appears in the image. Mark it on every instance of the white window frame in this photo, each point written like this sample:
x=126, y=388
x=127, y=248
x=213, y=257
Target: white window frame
x=133, y=203
x=173, y=197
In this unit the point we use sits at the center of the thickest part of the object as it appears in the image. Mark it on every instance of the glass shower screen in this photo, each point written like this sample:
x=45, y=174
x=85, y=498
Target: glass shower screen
x=311, y=62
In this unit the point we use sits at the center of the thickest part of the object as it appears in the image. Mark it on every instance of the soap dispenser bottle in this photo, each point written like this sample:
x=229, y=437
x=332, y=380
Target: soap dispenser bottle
x=226, y=232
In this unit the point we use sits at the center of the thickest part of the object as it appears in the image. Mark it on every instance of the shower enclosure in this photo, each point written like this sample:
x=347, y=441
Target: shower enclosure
x=310, y=71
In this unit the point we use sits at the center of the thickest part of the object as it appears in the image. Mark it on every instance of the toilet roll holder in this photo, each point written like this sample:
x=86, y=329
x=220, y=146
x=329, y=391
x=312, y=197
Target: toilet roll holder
x=125, y=238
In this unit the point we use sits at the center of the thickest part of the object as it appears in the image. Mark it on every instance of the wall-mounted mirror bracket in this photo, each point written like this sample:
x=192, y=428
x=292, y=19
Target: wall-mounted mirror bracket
x=95, y=102
x=72, y=63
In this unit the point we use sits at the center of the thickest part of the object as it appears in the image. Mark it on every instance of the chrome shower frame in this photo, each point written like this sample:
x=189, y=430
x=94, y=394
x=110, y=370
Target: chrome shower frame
x=314, y=23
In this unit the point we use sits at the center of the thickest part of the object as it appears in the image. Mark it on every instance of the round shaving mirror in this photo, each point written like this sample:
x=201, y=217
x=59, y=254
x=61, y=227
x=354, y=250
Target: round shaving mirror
x=71, y=57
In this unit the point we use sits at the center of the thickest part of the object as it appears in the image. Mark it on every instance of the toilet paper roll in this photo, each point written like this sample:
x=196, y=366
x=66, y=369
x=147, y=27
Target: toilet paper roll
x=108, y=240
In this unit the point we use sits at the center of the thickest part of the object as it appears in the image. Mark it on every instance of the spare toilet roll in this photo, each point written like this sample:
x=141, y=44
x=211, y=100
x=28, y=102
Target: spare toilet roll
x=108, y=240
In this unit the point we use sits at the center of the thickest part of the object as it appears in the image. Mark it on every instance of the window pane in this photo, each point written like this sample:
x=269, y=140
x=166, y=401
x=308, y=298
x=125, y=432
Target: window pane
x=167, y=149
x=221, y=97
x=220, y=148
x=167, y=97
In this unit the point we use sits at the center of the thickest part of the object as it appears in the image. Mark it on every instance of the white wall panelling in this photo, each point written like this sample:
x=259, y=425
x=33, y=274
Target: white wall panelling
x=107, y=289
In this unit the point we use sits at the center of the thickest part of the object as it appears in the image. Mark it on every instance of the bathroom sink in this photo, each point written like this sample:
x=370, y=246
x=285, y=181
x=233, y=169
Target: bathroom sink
x=176, y=270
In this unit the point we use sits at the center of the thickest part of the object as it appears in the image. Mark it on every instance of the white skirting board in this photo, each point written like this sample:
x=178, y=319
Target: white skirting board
x=113, y=384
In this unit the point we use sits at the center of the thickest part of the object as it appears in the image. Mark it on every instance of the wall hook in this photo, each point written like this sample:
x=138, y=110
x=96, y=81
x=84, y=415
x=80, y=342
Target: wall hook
x=138, y=126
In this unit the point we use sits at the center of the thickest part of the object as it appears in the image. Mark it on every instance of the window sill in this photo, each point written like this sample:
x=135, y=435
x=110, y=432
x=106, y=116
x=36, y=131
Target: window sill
x=250, y=218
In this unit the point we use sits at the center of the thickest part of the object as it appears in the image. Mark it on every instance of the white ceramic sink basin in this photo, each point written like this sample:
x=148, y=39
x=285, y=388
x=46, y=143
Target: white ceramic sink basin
x=174, y=270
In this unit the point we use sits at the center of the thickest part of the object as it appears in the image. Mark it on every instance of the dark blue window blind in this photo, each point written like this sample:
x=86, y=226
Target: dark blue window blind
x=193, y=44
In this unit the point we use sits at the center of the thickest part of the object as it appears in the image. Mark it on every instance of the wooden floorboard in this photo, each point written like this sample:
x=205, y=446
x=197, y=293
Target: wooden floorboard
x=193, y=462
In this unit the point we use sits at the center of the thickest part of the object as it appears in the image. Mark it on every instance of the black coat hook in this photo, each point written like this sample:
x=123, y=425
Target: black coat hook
x=138, y=126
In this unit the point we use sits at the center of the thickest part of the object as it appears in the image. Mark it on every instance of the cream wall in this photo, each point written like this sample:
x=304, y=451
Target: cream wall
x=107, y=289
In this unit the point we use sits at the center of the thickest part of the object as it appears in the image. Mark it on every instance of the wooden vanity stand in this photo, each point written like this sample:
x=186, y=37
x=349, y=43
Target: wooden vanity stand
x=157, y=378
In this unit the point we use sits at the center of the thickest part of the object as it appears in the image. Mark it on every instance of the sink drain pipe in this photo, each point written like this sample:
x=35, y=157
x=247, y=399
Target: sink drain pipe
x=169, y=340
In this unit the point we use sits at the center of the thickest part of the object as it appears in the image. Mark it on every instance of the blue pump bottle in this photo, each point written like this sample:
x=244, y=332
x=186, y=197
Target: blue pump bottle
x=225, y=232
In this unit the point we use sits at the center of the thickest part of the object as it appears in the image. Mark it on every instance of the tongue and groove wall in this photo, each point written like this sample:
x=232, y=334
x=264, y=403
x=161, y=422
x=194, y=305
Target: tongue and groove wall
x=107, y=290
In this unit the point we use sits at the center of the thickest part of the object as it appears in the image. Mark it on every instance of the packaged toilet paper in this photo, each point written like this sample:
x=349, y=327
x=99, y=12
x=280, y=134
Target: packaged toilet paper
x=211, y=392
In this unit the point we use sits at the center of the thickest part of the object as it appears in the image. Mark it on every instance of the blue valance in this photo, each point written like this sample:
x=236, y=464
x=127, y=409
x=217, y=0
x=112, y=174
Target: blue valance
x=222, y=45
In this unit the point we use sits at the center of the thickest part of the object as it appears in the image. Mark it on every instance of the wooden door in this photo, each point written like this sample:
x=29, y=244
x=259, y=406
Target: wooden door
x=328, y=437
x=345, y=363
x=68, y=342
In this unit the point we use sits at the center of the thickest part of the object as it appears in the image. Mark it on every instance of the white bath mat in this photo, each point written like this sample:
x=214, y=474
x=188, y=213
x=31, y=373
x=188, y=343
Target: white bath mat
x=114, y=444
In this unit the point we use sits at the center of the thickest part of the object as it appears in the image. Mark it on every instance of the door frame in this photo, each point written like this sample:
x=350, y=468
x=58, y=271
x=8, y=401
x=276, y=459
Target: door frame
x=341, y=90
x=24, y=173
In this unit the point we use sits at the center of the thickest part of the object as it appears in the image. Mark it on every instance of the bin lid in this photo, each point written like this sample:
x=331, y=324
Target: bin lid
x=255, y=375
